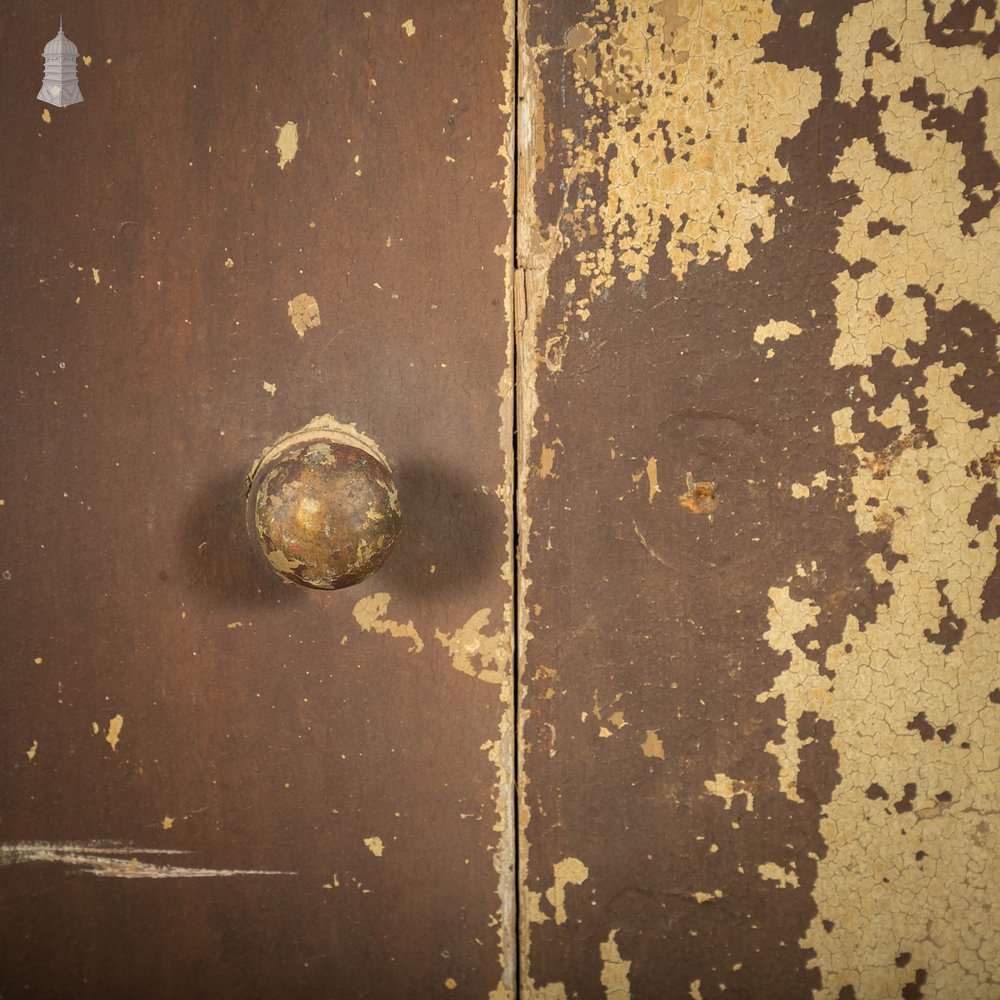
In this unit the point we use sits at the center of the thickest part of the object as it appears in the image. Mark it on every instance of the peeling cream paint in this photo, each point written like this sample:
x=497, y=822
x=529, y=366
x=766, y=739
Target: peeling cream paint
x=614, y=970
x=652, y=746
x=470, y=643
x=287, y=143
x=644, y=70
x=569, y=871
x=111, y=859
x=707, y=897
x=776, y=330
x=46, y=116
x=370, y=613
x=32, y=750
x=775, y=873
x=727, y=789
x=910, y=831
x=375, y=845
x=96, y=275
x=303, y=311
x=114, y=731
x=651, y=476
x=270, y=388
x=409, y=28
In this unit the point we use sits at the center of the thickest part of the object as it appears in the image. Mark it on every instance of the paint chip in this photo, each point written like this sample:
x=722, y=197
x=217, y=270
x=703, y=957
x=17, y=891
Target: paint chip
x=168, y=822
x=614, y=970
x=303, y=311
x=269, y=387
x=653, y=746
x=287, y=143
x=229, y=262
x=32, y=750
x=46, y=117
x=569, y=871
x=776, y=330
x=651, y=475
x=370, y=613
x=96, y=274
x=375, y=845
x=114, y=731
x=409, y=28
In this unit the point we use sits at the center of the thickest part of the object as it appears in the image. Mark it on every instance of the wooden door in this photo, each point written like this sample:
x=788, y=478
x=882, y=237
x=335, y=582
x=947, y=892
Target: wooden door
x=216, y=784
x=749, y=744
x=759, y=676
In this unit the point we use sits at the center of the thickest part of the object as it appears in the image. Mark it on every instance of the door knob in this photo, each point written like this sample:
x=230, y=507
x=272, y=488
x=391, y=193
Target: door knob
x=323, y=505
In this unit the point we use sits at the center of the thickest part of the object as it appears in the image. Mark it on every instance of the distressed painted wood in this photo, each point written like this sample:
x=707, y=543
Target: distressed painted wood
x=214, y=783
x=757, y=271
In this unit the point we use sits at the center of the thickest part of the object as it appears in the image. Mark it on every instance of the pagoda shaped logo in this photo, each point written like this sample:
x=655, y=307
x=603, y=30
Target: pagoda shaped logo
x=59, y=85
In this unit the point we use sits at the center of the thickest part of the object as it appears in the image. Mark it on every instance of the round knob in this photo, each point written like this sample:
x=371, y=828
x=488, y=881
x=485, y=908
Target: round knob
x=323, y=504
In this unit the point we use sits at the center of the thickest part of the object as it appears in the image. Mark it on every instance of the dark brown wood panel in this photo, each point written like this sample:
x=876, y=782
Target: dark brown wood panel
x=259, y=214
x=759, y=598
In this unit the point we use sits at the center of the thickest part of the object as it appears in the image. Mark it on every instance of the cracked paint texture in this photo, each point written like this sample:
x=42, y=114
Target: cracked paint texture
x=759, y=247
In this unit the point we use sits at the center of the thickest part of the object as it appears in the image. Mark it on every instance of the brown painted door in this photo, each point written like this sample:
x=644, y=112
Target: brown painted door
x=756, y=714
x=760, y=595
x=215, y=784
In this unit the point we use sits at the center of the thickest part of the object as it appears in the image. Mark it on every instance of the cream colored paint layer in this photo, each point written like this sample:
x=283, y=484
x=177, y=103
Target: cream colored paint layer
x=287, y=143
x=114, y=731
x=614, y=970
x=645, y=69
x=303, y=311
x=569, y=871
x=470, y=644
x=371, y=614
x=911, y=830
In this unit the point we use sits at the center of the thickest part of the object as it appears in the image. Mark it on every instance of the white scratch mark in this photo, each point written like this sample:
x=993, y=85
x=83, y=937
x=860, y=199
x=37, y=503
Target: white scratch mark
x=110, y=859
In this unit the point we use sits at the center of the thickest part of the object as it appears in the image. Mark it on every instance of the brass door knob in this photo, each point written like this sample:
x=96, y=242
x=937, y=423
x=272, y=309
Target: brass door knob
x=323, y=505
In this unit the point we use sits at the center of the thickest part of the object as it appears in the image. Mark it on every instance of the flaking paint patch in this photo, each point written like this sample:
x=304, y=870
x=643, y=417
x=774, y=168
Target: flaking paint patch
x=501, y=751
x=303, y=311
x=375, y=845
x=776, y=330
x=409, y=28
x=652, y=478
x=110, y=859
x=287, y=143
x=46, y=116
x=727, y=789
x=114, y=731
x=470, y=643
x=645, y=70
x=652, y=746
x=772, y=872
x=614, y=970
x=569, y=871
x=370, y=613
x=32, y=750
x=910, y=830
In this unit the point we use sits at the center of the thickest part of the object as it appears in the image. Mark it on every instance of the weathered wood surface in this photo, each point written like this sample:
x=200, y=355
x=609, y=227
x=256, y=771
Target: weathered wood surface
x=760, y=593
x=260, y=213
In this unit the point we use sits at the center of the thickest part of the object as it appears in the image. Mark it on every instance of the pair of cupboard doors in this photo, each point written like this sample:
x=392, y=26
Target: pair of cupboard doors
x=677, y=321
